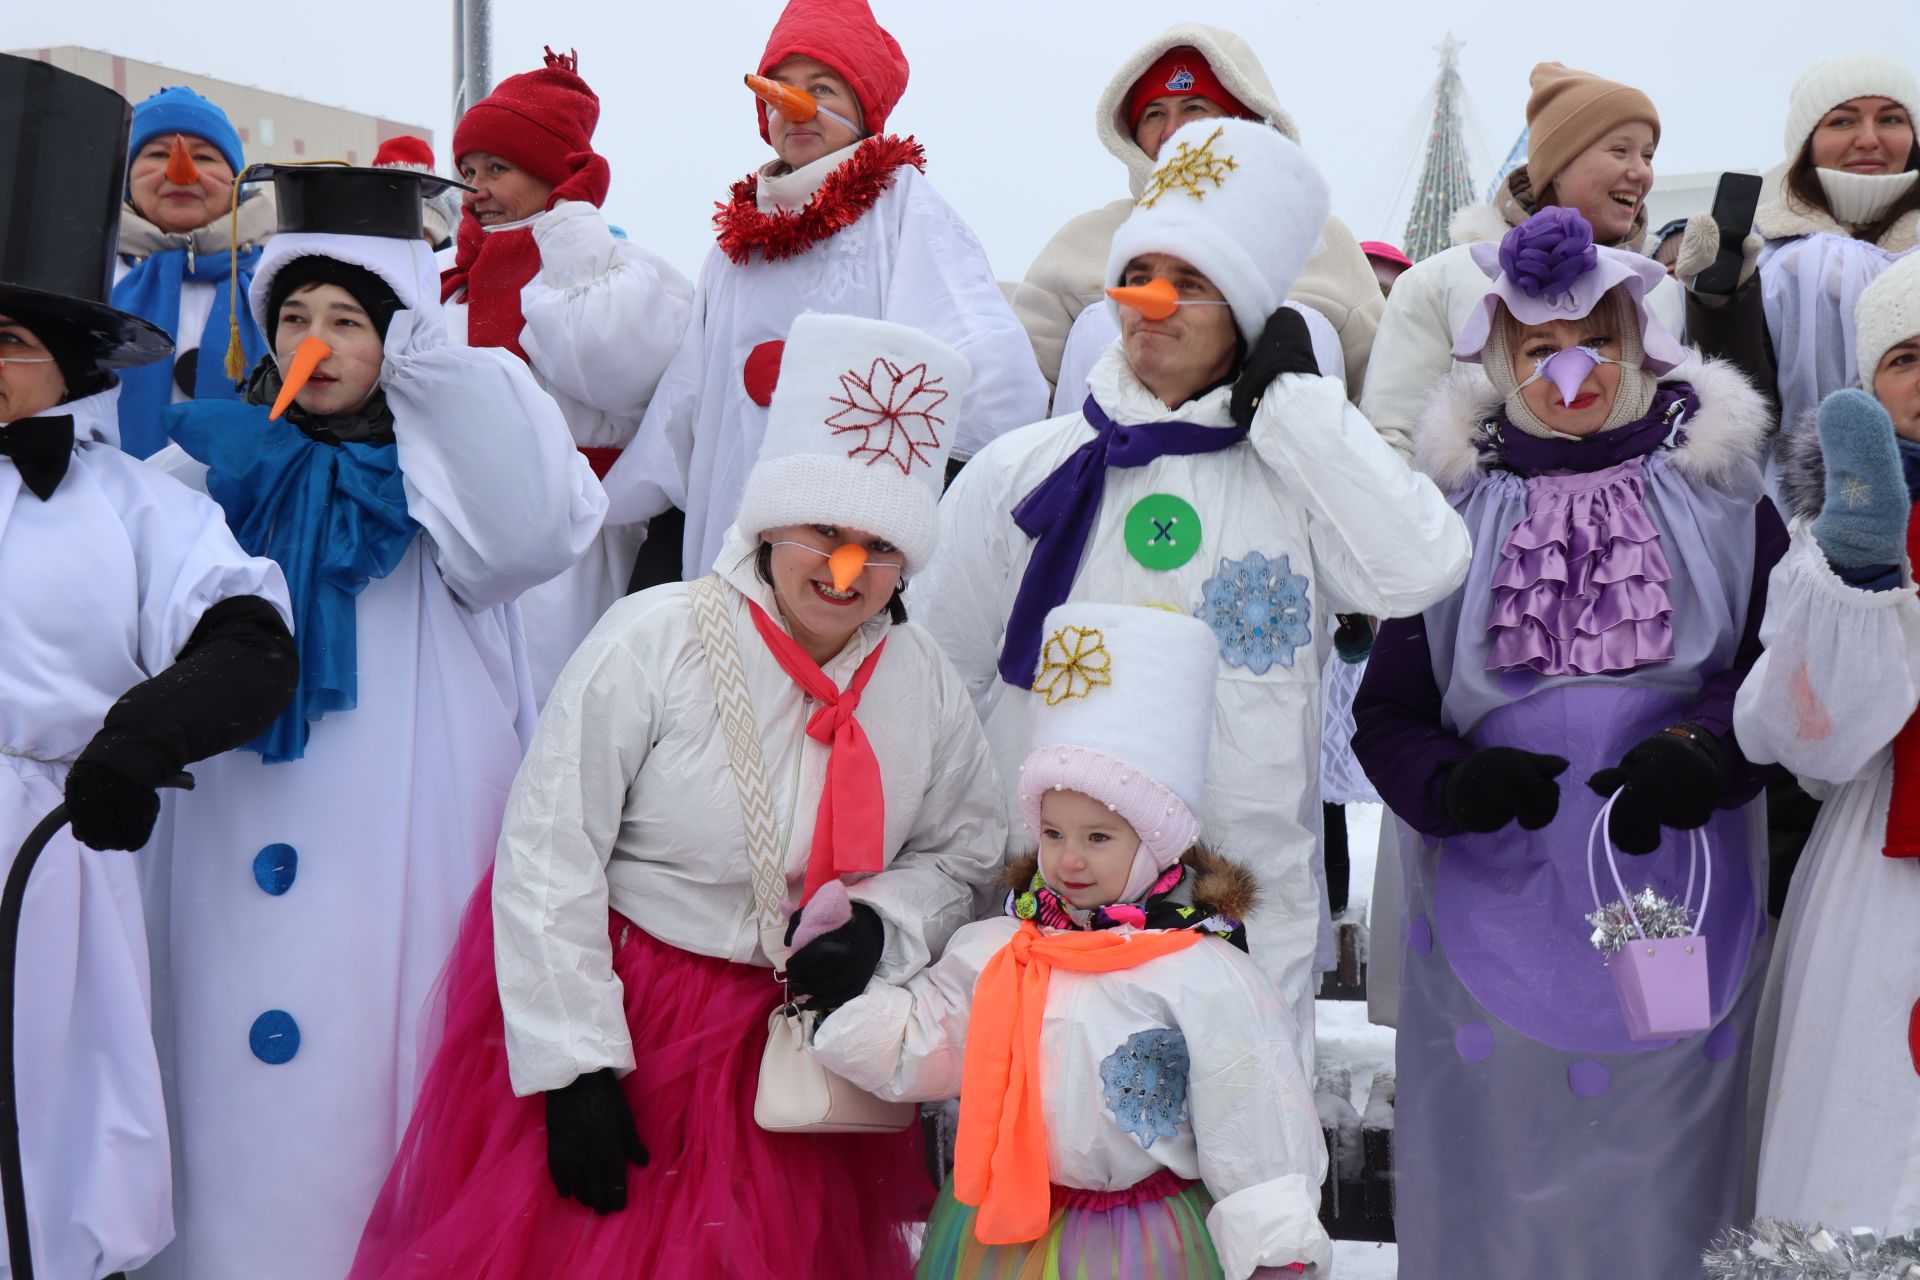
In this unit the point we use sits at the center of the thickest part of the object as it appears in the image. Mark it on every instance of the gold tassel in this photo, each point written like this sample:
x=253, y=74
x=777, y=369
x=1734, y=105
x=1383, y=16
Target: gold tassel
x=236, y=355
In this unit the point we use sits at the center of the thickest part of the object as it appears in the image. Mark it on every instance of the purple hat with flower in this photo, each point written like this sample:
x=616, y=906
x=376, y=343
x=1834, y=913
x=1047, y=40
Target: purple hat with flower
x=1548, y=268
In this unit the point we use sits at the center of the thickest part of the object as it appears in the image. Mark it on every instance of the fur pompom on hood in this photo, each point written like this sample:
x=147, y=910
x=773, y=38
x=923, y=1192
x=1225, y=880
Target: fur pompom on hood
x=1220, y=885
x=1725, y=440
x=1803, y=467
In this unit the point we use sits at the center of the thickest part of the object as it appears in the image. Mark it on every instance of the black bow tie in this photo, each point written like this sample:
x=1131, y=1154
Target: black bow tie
x=41, y=448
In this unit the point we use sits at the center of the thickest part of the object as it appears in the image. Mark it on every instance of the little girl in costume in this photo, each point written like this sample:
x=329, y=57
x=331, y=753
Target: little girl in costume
x=1132, y=1105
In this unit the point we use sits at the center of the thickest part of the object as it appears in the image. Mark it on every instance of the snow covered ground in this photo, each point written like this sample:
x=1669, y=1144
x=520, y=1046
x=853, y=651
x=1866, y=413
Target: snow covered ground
x=1345, y=1037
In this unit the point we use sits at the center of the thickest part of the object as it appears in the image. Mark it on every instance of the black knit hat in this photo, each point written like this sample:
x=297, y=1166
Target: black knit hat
x=374, y=294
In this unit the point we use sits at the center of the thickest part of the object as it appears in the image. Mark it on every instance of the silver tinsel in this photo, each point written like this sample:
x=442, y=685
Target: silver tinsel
x=1773, y=1249
x=1660, y=917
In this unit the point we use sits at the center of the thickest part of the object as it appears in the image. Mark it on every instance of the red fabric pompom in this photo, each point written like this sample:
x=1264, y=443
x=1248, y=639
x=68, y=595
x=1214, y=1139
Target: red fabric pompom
x=761, y=373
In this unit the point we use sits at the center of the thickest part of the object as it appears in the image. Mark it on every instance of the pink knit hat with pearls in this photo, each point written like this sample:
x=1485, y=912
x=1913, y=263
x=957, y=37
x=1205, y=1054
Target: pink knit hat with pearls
x=1122, y=711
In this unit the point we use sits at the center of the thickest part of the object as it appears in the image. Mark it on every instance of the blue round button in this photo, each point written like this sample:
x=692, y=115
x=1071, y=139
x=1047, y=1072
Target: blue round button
x=274, y=868
x=275, y=1037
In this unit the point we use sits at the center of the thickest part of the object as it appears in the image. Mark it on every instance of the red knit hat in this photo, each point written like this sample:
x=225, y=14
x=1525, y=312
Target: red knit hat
x=843, y=35
x=1183, y=70
x=404, y=150
x=536, y=120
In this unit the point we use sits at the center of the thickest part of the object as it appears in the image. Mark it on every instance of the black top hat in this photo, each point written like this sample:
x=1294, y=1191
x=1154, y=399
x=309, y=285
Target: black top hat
x=346, y=200
x=63, y=149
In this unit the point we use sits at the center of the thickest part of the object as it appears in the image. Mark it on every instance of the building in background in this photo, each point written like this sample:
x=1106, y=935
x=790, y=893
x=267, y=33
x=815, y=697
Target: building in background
x=272, y=126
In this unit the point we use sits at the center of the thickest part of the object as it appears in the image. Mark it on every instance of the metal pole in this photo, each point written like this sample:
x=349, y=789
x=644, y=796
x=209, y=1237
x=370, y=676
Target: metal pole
x=472, y=53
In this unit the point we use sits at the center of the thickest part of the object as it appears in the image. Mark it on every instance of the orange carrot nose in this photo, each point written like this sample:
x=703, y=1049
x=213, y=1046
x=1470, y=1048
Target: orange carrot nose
x=1156, y=299
x=788, y=101
x=306, y=358
x=847, y=564
x=181, y=171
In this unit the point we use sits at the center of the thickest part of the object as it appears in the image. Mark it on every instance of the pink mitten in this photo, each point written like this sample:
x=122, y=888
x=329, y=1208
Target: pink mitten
x=830, y=908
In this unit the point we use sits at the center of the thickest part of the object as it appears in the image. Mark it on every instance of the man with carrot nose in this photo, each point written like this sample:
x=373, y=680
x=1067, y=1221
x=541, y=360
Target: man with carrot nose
x=411, y=489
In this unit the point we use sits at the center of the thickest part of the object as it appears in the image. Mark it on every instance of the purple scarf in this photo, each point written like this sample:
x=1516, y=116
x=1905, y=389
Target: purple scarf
x=1059, y=516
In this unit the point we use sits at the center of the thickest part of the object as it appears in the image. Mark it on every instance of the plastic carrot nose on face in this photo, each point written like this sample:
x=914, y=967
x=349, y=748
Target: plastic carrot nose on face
x=790, y=102
x=306, y=358
x=181, y=171
x=846, y=564
x=1156, y=299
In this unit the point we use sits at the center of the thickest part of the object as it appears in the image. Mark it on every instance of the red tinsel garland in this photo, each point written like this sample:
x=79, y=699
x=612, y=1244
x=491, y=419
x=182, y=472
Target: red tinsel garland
x=848, y=192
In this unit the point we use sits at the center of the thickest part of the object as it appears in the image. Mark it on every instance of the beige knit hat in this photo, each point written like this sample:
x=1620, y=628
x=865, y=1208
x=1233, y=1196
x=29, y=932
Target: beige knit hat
x=1887, y=314
x=1571, y=110
x=1841, y=78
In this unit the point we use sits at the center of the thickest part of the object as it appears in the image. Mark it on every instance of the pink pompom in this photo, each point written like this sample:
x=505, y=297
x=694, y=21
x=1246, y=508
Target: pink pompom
x=830, y=908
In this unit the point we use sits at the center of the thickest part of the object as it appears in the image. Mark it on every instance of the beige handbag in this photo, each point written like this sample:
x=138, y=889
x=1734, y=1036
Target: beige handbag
x=796, y=1093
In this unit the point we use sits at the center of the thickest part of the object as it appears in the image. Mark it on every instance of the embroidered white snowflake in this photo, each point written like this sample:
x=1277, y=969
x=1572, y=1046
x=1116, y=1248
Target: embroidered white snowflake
x=893, y=408
x=1855, y=492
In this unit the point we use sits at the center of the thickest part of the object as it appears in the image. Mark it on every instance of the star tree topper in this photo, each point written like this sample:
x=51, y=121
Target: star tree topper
x=893, y=409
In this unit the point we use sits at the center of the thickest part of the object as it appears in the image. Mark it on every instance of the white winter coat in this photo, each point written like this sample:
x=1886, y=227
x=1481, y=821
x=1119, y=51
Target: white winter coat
x=106, y=581
x=627, y=801
x=1431, y=303
x=1839, y=680
x=1248, y=1131
x=1315, y=484
x=602, y=319
x=383, y=827
x=1069, y=273
x=908, y=259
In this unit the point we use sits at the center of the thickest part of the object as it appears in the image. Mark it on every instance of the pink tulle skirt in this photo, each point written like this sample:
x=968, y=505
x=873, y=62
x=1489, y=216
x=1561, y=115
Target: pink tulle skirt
x=469, y=1195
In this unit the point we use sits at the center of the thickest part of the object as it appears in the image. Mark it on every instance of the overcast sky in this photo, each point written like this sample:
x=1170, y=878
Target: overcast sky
x=1002, y=91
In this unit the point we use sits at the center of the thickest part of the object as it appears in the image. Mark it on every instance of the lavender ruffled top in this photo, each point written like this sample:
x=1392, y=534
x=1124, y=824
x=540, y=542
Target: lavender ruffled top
x=1580, y=587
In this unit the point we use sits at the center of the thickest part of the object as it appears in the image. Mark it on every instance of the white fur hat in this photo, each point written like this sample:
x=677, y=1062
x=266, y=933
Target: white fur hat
x=1123, y=712
x=858, y=432
x=1840, y=78
x=1888, y=313
x=1239, y=201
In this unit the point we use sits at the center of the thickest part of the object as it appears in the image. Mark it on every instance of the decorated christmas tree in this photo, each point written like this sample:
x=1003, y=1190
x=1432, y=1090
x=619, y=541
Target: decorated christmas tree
x=1444, y=185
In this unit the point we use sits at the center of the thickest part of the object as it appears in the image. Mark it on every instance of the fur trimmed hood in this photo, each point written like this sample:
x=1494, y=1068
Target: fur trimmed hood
x=1803, y=467
x=1725, y=439
x=1220, y=884
x=1788, y=216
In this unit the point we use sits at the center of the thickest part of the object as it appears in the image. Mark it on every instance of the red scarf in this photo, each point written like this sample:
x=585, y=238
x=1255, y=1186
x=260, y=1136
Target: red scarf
x=493, y=268
x=849, y=829
x=1903, y=811
x=848, y=192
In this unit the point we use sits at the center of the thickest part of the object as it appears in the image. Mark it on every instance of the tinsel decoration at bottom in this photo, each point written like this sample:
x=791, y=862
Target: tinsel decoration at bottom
x=1659, y=917
x=1774, y=1249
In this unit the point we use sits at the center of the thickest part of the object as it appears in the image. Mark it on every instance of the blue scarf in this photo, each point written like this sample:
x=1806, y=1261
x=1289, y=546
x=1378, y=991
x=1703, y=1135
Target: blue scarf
x=1060, y=512
x=152, y=291
x=332, y=516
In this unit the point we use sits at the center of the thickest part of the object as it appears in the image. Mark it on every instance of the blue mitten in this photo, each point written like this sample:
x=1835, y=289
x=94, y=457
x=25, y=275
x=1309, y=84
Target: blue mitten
x=1864, y=519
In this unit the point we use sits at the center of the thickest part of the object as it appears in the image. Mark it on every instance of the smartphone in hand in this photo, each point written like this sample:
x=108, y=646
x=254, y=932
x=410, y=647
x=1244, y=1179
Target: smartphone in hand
x=1734, y=202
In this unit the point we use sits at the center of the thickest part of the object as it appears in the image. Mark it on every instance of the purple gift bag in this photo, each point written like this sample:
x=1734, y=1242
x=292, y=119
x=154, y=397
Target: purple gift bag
x=1661, y=982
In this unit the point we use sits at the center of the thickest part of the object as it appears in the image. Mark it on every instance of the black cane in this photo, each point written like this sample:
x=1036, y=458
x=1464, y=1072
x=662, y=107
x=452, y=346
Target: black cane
x=12, y=1179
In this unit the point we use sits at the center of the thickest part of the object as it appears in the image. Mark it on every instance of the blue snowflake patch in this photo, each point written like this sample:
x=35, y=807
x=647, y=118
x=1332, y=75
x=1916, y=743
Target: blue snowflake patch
x=1259, y=611
x=1146, y=1084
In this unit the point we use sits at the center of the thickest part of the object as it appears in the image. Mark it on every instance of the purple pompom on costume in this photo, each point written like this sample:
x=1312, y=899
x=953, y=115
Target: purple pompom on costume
x=1548, y=252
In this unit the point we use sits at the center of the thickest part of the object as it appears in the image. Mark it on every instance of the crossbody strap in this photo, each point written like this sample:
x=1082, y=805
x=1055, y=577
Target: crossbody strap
x=767, y=867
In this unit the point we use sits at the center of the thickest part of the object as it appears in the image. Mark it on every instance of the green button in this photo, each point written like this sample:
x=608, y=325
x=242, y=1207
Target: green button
x=1163, y=531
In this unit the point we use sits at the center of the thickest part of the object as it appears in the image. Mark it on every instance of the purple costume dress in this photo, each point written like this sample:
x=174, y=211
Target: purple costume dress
x=1617, y=588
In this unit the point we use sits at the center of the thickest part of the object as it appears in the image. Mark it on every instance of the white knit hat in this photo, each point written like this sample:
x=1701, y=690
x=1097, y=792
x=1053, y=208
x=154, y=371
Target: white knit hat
x=1841, y=78
x=858, y=432
x=1123, y=712
x=1240, y=202
x=1888, y=313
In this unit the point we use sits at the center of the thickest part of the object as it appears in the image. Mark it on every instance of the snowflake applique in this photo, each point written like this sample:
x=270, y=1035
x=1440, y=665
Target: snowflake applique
x=1855, y=492
x=1259, y=611
x=893, y=409
x=1146, y=1084
x=1073, y=662
x=1188, y=167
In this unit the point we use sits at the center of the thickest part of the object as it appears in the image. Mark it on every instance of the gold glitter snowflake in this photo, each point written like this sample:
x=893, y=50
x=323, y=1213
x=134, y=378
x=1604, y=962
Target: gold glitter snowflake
x=1072, y=663
x=1189, y=167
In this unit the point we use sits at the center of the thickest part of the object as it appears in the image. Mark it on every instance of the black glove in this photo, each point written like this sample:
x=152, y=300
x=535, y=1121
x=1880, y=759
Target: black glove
x=590, y=1140
x=1670, y=780
x=1353, y=638
x=1284, y=346
x=229, y=681
x=1496, y=785
x=836, y=966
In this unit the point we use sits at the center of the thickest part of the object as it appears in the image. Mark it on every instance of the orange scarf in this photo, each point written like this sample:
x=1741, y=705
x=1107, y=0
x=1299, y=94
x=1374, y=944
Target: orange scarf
x=1000, y=1157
